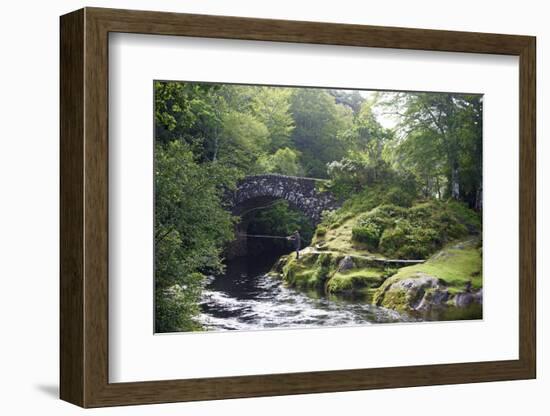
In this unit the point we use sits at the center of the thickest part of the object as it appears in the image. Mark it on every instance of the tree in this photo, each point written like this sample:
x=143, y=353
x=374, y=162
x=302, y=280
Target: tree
x=271, y=105
x=242, y=139
x=191, y=229
x=283, y=161
x=190, y=112
x=366, y=134
x=319, y=122
x=349, y=98
x=451, y=125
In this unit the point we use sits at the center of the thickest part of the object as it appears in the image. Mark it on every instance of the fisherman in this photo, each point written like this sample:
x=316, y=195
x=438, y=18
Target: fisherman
x=297, y=240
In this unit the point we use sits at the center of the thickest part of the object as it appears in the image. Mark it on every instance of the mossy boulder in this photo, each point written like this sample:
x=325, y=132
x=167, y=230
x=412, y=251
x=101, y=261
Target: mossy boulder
x=311, y=270
x=404, y=294
x=451, y=277
x=331, y=272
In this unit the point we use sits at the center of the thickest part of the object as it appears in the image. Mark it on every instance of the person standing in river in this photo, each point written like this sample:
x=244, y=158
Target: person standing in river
x=295, y=237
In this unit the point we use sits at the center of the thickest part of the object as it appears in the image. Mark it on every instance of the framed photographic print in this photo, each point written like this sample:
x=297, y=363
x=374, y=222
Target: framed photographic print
x=257, y=207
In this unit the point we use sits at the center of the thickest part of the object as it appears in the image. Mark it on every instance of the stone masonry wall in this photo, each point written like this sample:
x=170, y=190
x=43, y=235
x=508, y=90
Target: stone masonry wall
x=302, y=193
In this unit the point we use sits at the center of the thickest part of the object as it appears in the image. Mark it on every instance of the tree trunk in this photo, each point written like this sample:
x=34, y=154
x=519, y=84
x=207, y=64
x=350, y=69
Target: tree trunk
x=455, y=187
x=216, y=147
x=479, y=199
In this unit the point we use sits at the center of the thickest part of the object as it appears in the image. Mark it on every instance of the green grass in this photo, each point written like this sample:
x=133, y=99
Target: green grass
x=454, y=266
x=339, y=239
x=353, y=280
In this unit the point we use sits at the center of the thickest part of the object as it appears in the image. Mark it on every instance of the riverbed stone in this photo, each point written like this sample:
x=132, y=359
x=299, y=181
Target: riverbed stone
x=410, y=293
x=465, y=299
x=433, y=299
x=346, y=264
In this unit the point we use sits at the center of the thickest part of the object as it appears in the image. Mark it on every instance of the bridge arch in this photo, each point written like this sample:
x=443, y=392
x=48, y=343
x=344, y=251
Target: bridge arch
x=260, y=191
x=302, y=193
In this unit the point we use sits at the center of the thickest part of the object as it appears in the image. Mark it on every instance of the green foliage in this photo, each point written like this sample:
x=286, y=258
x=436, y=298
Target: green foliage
x=416, y=232
x=440, y=142
x=351, y=99
x=369, y=234
x=272, y=107
x=407, y=241
x=318, y=120
x=208, y=136
x=191, y=228
x=176, y=307
x=369, y=227
x=284, y=161
x=320, y=231
x=355, y=174
x=456, y=266
x=280, y=219
x=395, y=299
x=366, y=135
x=189, y=112
x=242, y=138
x=395, y=189
x=402, y=196
x=301, y=273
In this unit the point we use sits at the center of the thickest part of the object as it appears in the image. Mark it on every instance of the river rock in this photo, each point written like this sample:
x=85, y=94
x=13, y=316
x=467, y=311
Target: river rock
x=419, y=292
x=278, y=266
x=464, y=299
x=346, y=264
x=433, y=299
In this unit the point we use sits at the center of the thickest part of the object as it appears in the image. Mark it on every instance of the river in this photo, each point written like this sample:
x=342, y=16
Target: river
x=245, y=298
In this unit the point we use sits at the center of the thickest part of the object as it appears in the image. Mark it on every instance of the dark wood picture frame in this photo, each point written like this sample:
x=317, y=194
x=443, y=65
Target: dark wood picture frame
x=84, y=207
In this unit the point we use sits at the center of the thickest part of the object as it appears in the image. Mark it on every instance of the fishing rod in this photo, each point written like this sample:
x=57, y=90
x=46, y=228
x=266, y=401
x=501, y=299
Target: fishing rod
x=262, y=236
x=268, y=236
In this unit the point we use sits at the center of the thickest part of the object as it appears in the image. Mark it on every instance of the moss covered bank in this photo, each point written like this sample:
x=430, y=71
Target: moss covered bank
x=413, y=259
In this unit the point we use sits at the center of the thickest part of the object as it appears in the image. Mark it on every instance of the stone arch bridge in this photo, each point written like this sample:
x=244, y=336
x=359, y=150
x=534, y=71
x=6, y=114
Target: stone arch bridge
x=303, y=194
x=256, y=192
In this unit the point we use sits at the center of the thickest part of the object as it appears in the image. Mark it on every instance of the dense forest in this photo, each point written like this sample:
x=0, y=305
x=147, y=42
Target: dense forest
x=408, y=146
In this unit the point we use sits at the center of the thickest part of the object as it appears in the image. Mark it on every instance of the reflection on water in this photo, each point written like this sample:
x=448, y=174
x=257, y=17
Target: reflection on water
x=245, y=298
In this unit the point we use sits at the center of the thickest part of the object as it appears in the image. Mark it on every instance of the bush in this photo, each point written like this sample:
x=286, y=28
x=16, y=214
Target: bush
x=416, y=232
x=370, y=226
x=470, y=219
x=401, y=196
x=320, y=231
x=367, y=234
x=352, y=175
x=176, y=308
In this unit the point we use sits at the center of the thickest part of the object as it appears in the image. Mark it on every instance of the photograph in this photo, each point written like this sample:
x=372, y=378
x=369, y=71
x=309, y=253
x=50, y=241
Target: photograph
x=298, y=207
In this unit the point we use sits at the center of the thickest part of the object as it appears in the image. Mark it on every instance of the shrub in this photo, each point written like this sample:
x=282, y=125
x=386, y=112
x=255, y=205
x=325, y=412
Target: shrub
x=418, y=231
x=367, y=234
x=320, y=231
x=470, y=219
x=370, y=226
x=401, y=196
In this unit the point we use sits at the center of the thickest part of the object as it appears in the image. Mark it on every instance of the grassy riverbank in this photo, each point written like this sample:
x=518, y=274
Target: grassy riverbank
x=414, y=258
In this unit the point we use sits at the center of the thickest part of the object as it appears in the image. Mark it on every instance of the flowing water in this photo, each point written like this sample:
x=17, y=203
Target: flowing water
x=245, y=298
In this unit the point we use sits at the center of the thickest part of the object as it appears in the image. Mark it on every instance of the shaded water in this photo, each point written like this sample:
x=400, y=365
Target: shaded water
x=245, y=298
